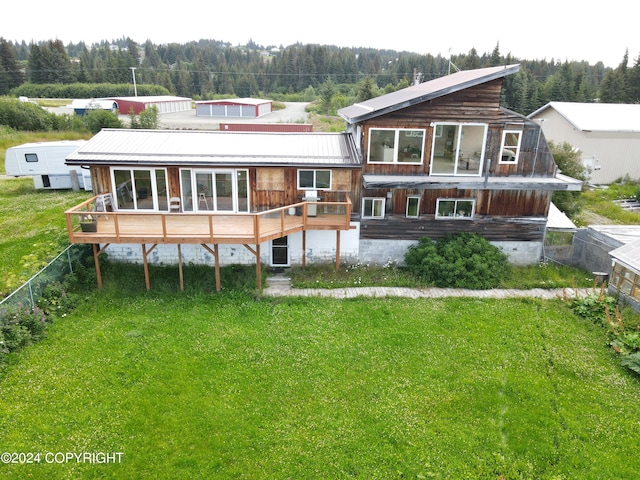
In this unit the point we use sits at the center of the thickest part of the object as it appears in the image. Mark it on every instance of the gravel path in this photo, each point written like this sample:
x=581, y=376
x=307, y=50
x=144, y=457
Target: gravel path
x=280, y=286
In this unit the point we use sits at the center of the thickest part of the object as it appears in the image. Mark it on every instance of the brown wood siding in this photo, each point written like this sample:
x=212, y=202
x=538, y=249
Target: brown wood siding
x=491, y=228
x=479, y=104
x=499, y=203
x=269, y=187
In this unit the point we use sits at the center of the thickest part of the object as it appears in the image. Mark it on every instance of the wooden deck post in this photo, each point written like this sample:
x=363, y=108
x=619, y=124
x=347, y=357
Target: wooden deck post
x=146, y=267
x=145, y=254
x=216, y=262
x=217, y=259
x=304, y=249
x=337, y=249
x=258, y=273
x=180, y=268
x=96, y=260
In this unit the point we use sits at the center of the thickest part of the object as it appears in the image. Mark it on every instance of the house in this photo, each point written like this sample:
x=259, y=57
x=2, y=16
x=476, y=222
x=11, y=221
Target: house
x=234, y=108
x=607, y=135
x=212, y=196
x=443, y=157
x=435, y=158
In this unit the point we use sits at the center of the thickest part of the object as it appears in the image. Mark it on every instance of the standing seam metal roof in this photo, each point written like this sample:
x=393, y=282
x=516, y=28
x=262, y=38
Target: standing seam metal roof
x=423, y=91
x=174, y=147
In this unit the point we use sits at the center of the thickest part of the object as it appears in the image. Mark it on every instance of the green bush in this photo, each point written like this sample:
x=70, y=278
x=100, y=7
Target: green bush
x=25, y=116
x=463, y=260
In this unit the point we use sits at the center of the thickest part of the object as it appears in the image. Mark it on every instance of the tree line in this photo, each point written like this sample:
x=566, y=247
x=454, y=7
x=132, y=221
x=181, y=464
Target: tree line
x=205, y=69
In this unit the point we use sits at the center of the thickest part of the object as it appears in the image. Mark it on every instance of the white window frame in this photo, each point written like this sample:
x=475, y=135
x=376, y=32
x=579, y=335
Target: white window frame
x=154, y=187
x=396, y=145
x=315, y=179
x=510, y=147
x=455, y=208
x=374, y=200
x=409, y=198
x=191, y=202
x=457, y=171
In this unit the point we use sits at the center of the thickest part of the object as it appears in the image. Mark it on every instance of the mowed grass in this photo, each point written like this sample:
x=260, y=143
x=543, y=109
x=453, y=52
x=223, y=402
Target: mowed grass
x=234, y=386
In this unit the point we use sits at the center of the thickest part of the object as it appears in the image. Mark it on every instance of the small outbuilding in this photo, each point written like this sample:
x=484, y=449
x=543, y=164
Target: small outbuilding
x=164, y=104
x=234, y=108
x=82, y=106
x=625, y=276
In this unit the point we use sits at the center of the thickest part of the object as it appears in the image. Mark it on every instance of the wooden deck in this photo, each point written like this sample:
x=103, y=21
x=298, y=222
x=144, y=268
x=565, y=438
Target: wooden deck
x=205, y=228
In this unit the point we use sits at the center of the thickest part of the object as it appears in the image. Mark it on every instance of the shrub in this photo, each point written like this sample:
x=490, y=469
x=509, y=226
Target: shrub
x=602, y=309
x=463, y=260
x=25, y=116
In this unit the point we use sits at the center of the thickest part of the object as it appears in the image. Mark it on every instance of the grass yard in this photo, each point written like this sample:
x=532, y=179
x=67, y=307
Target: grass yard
x=233, y=386
x=33, y=228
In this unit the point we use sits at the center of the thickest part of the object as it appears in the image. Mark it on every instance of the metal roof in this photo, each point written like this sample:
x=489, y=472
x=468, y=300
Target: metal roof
x=559, y=182
x=216, y=148
x=239, y=101
x=597, y=117
x=422, y=92
x=150, y=99
x=558, y=220
x=629, y=254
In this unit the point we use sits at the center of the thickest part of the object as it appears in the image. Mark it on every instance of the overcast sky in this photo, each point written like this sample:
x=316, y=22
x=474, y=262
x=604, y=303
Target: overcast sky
x=543, y=29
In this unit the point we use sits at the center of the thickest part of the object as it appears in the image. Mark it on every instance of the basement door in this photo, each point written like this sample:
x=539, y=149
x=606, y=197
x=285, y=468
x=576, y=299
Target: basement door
x=280, y=252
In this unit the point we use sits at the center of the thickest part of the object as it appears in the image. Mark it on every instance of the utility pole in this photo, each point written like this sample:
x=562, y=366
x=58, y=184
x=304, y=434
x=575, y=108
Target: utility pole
x=135, y=88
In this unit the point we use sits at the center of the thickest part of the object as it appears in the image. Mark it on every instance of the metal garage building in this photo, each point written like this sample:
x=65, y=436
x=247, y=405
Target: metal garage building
x=234, y=108
x=164, y=103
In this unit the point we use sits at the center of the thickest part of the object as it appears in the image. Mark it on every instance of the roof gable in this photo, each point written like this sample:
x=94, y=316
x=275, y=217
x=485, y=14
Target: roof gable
x=422, y=92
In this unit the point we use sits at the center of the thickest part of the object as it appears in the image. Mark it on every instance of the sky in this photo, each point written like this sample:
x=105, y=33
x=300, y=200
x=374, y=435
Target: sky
x=541, y=29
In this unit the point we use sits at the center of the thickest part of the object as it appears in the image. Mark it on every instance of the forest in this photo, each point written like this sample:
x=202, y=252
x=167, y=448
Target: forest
x=207, y=69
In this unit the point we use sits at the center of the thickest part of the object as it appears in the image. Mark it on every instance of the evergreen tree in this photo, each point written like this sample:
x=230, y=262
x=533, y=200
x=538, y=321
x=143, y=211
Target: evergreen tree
x=10, y=74
x=327, y=91
x=633, y=82
x=495, y=59
x=366, y=89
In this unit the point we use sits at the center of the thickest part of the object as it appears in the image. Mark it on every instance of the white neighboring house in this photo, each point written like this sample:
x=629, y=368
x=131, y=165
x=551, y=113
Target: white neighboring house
x=45, y=162
x=607, y=135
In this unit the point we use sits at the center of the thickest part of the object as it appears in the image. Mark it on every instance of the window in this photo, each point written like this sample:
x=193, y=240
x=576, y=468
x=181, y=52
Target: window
x=222, y=190
x=458, y=148
x=413, y=206
x=31, y=157
x=314, y=179
x=510, y=146
x=626, y=281
x=391, y=145
x=373, y=207
x=140, y=189
x=455, y=208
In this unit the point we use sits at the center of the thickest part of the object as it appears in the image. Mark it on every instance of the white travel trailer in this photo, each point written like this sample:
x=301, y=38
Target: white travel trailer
x=45, y=162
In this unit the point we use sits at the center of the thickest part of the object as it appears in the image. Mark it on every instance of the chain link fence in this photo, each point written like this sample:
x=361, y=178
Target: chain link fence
x=27, y=295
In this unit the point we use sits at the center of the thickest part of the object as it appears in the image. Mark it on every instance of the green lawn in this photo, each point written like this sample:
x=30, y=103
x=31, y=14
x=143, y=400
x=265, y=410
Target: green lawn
x=228, y=386
x=33, y=228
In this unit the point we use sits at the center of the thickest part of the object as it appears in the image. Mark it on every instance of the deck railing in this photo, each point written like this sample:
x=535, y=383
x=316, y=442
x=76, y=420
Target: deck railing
x=123, y=226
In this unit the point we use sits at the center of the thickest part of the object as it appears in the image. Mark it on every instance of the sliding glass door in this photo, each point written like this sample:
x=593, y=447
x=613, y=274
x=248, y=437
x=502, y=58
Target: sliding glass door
x=215, y=190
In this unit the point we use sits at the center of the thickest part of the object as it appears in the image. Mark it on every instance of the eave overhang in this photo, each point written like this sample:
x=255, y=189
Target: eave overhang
x=425, y=182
